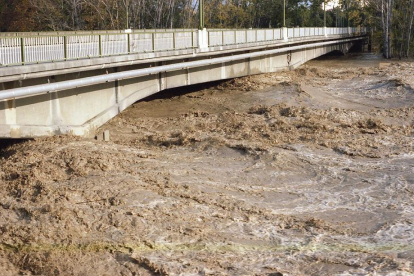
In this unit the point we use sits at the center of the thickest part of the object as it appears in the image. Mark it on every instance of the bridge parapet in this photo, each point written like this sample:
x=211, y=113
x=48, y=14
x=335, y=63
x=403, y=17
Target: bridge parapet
x=32, y=48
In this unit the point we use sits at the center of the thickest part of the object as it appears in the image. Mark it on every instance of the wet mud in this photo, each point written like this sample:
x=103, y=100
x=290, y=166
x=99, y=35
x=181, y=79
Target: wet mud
x=309, y=172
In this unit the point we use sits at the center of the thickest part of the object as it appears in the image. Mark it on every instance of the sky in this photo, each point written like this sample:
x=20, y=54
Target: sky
x=331, y=4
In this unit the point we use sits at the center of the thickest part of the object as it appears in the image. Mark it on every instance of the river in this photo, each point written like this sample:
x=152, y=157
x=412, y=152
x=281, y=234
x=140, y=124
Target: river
x=308, y=172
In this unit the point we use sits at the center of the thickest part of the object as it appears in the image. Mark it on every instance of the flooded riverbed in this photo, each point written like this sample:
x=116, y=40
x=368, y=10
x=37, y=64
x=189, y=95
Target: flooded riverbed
x=309, y=172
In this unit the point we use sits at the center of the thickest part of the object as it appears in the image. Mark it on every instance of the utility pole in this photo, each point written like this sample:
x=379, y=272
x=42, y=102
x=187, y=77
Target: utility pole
x=347, y=12
x=127, y=14
x=325, y=31
x=336, y=17
x=201, y=14
x=203, y=39
x=284, y=29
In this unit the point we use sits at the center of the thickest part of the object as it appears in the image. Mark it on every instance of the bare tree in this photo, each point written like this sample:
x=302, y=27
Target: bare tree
x=410, y=26
x=385, y=12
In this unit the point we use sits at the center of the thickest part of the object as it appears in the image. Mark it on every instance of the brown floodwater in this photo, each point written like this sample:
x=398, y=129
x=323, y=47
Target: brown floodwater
x=309, y=172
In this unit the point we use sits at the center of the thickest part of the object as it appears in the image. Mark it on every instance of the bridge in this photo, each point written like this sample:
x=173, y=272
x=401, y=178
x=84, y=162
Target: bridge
x=55, y=83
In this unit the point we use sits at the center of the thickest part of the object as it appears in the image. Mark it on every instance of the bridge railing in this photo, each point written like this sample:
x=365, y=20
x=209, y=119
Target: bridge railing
x=42, y=48
x=232, y=37
x=65, y=33
x=61, y=46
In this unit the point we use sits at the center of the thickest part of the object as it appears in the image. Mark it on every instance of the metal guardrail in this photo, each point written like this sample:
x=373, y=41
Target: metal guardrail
x=64, y=33
x=229, y=37
x=41, y=48
x=30, y=48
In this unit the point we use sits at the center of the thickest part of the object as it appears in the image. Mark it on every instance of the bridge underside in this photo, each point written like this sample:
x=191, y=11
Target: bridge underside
x=80, y=111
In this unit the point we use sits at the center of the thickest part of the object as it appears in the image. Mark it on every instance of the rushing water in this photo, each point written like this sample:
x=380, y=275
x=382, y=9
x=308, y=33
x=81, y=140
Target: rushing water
x=298, y=173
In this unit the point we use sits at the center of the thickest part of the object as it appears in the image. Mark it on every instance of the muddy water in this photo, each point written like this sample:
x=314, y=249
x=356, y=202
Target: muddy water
x=308, y=172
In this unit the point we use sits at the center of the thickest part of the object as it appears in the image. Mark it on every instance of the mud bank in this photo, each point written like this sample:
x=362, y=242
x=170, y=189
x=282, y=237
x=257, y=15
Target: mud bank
x=308, y=172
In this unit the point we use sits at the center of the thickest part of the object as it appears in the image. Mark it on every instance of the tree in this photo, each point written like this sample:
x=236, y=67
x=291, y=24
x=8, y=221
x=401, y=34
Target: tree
x=393, y=18
x=17, y=16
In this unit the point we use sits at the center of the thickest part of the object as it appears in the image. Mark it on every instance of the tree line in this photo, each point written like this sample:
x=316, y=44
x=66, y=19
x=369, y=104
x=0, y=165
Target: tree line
x=391, y=21
x=43, y=15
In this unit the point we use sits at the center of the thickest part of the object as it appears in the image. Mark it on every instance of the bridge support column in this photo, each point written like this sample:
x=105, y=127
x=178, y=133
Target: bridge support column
x=285, y=34
x=325, y=31
x=203, y=40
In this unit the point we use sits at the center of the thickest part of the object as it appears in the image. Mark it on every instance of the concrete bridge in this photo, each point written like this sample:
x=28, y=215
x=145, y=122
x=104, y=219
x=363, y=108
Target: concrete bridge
x=74, y=82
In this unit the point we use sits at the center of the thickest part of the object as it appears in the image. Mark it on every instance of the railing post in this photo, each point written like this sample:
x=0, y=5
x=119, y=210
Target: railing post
x=153, y=42
x=22, y=50
x=203, y=40
x=65, y=47
x=245, y=37
x=100, y=45
x=285, y=34
x=222, y=38
x=192, y=39
x=173, y=40
x=129, y=43
x=235, y=37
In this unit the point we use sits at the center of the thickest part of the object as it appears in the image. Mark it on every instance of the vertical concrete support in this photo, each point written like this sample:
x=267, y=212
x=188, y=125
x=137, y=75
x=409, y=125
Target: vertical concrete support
x=162, y=79
x=106, y=136
x=325, y=31
x=55, y=109
x=188, y=79
x=10, y=112
x=223, y=71
x=7, y=110
x=203, y=40
x=285, y=34
x=55, y=106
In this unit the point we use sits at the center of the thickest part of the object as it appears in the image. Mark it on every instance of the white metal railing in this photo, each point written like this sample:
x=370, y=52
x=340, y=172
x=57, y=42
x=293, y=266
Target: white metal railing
x=65, y=33
x=230, y=37
x=37, y=48
x=27, y=48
